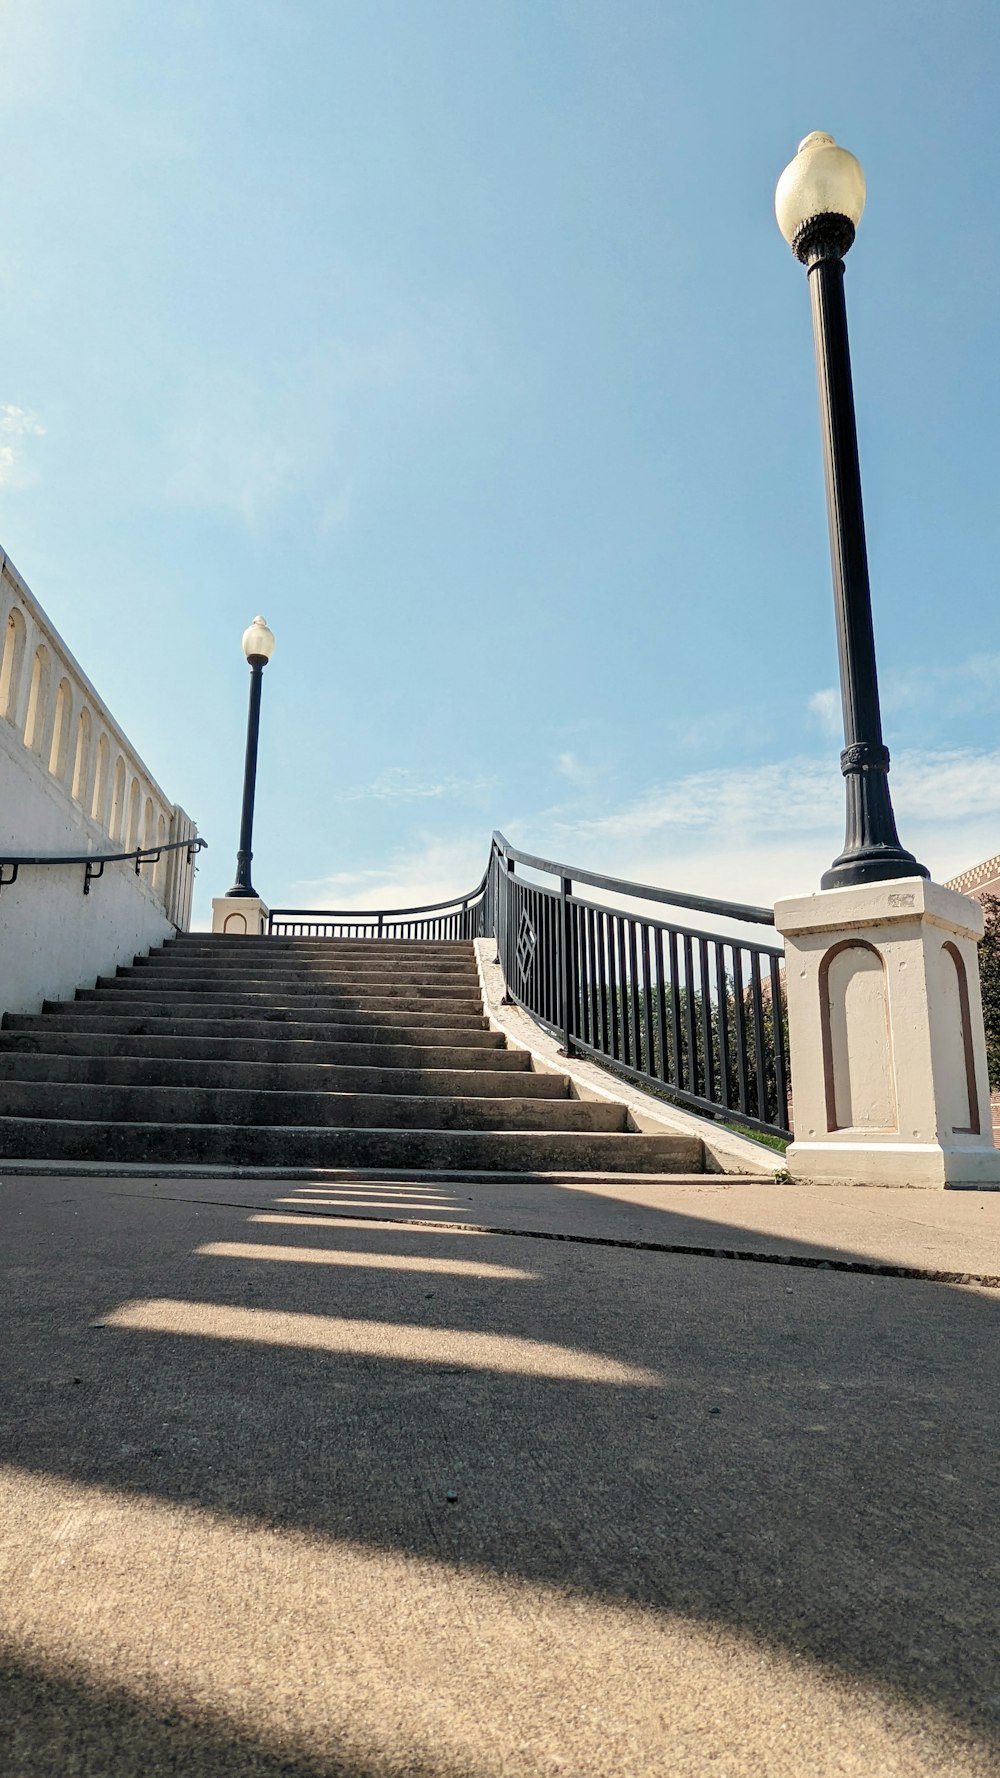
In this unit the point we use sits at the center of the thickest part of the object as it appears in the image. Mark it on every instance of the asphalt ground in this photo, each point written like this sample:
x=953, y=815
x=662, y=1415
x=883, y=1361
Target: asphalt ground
x=323, y=1478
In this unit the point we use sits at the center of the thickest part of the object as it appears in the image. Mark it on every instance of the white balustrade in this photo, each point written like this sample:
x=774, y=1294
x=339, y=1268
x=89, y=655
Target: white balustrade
x=50, y=706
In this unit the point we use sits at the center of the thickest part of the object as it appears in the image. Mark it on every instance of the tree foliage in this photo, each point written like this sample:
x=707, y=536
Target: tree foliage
x=989, y=976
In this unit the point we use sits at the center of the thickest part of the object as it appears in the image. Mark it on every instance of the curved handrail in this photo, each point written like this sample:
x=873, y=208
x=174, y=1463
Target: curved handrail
x=196, y=844
x=94, y=862
x=362, y=914
x=702, y=904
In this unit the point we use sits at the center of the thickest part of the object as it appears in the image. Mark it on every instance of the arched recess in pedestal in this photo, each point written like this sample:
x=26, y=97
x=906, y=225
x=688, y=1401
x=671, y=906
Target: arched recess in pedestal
x=858, y=1066
x=960, y=1095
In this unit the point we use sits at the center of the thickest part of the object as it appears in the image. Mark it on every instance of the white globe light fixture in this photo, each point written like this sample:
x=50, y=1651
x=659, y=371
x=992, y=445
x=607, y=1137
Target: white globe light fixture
x=258, y=640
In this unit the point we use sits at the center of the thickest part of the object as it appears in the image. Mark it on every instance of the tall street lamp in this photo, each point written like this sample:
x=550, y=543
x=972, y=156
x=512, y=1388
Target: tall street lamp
x=818, y=203
x=258, y=646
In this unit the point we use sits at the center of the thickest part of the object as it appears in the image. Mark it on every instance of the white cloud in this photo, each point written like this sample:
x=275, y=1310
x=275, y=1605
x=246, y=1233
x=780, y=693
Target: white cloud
x=337, y=510
x=969, y=685
x=750, y=835
x=399, y=784
x=825, y=705
x=763, y=831
x=17, y=423
x=430, y=870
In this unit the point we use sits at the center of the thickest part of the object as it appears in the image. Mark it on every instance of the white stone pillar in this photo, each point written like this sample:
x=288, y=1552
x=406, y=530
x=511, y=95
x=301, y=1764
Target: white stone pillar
x=243, y=916
x=889, y=1078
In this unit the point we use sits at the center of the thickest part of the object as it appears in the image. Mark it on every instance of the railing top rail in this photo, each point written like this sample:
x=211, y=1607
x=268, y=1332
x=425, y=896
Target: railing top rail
x=362, y=914
x=654, y=925
x=194, y=844
x=702, y=904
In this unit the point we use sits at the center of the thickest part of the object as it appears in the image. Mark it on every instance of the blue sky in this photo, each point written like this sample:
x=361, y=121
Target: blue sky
x=458, y=338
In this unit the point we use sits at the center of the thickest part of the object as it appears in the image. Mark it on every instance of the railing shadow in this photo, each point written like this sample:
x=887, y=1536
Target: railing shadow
x=805, y=1458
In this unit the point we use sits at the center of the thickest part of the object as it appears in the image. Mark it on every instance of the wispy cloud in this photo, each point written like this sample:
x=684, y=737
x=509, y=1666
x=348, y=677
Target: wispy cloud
x=763, y=831
x=753, y=834
x=969, y=685
x=825, y=706
x=429, y=870
x=16, y=425
x=244, y=446
x=398, y=784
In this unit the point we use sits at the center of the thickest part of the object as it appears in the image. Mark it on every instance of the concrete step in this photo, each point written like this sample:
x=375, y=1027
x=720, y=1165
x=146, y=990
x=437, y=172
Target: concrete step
x=236, y=991
x=341, y=1030
x=215, y=943
x=84, y=1012
x=246, y=969
x=480, y=1050
x=164, y=1071
x=234, y=1106
x=523, y=1151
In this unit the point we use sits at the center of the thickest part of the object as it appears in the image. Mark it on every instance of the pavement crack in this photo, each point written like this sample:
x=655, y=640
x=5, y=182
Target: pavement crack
x=870, y=1268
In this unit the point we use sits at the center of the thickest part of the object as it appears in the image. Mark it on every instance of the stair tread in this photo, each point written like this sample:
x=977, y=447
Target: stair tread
x=219, y=1050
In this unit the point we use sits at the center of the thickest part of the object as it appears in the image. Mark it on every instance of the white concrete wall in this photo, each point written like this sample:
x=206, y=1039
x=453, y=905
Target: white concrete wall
x=70, y=781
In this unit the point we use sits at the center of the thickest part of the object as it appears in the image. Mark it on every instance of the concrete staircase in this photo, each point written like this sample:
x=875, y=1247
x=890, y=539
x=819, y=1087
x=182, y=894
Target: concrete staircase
x=299, y=1053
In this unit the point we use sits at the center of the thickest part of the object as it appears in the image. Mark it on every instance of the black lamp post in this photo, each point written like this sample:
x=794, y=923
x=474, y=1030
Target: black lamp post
x=818, y=202
x=258, y=646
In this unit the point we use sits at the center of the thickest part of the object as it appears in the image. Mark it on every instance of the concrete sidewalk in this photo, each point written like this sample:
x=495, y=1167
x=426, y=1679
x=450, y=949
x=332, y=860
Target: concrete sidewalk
x=318, y=1477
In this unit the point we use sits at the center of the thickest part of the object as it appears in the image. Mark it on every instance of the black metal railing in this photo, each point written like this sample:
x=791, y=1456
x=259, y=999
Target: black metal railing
x=697, y=1012
x=694, y=1012
x=441, y=921
x=94, y=862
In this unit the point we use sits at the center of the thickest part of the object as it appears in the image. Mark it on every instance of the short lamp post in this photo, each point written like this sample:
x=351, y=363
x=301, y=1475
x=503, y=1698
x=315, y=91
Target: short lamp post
x=818, y=203
x=258, y=646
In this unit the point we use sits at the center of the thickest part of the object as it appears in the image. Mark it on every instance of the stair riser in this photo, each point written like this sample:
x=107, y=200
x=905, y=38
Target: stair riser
x=91, y=1014
x=473, y=1152
x=217, y=944
x=341, y=1031
x=284, y=993
x=480, y=1050
x=363, y=1111
x=139, y=1071
x=449, y=980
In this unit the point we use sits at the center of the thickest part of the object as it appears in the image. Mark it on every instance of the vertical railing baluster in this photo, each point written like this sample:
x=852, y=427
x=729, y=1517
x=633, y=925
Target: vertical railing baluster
x=740, y=1020
x=647, y=1001
x=623, y=990
x=663, y=1072
x=565, y=971
x=758, y=1036
x=690, y=1011
x=634, y=1004
x=722, y=989
x=778, y=1042
x=602, y=953
x=708, y=1078
x=613, y=988
x=677, y=1073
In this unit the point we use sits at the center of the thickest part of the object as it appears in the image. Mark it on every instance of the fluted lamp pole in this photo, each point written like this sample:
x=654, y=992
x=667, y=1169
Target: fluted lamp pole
x=818, y=203
x=258, y=646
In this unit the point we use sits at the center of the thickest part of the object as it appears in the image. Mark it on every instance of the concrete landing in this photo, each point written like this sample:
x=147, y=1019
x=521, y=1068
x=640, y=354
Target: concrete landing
x=319, y=1477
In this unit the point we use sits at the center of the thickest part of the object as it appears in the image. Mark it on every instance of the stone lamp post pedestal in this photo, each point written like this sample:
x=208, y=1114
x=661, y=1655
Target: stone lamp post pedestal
x=889, y=1078
x=242, y=916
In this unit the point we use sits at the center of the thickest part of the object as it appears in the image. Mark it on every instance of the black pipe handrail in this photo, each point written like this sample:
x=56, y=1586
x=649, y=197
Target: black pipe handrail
x=139, y=855
x=700, y=904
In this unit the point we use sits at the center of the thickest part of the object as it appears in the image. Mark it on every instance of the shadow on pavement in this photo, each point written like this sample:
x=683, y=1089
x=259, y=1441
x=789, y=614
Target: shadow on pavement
x=52, y=1724
x=805, y=1457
